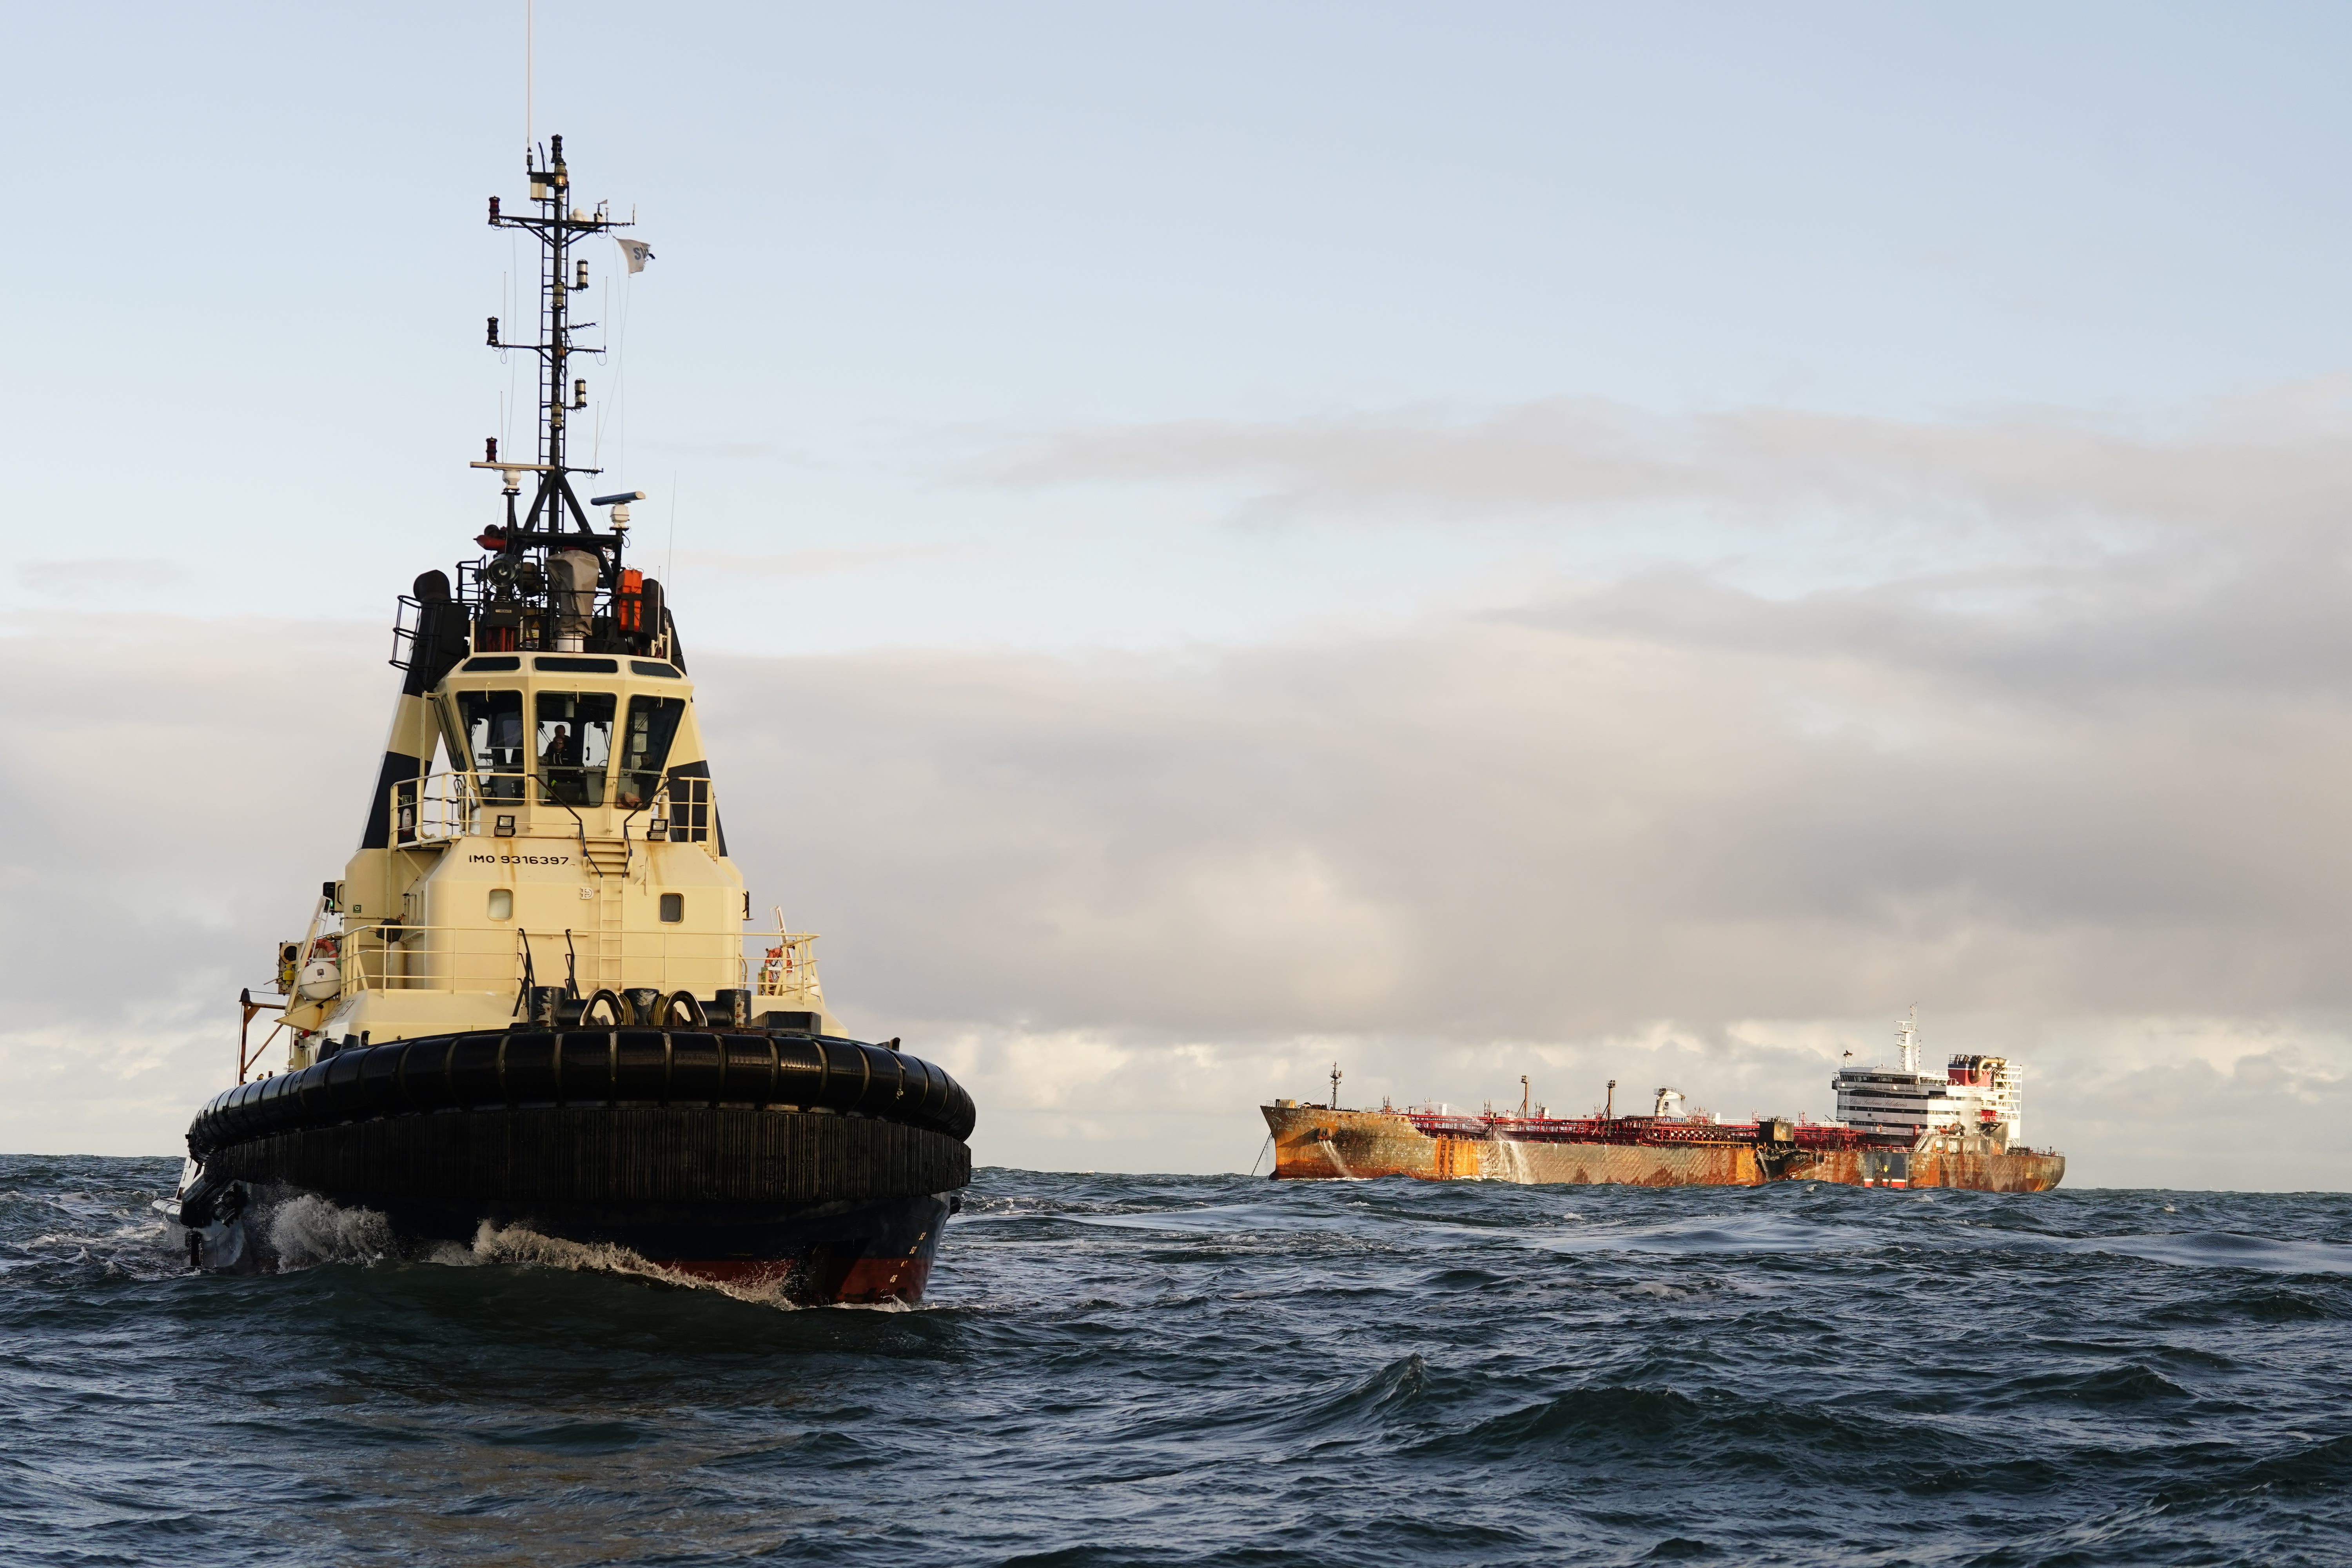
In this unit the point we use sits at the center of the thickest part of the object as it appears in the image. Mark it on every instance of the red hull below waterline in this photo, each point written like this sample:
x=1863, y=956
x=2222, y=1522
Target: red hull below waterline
x=869, y=1281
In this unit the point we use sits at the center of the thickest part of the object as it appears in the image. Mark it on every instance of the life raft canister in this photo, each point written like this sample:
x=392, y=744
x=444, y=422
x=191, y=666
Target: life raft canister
x=322, y=980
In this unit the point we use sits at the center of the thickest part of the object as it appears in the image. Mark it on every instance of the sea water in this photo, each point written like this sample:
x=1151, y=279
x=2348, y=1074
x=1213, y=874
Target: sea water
x=1209, y=1370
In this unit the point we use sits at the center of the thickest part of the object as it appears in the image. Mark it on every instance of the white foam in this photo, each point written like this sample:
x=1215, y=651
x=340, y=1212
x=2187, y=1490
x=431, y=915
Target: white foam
x=516, y=1244
x=495, y=1243
x=306, y=1230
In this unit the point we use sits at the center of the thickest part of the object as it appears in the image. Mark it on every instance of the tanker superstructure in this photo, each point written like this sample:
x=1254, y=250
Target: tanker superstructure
x=526, y=1004
x=1897, y=1127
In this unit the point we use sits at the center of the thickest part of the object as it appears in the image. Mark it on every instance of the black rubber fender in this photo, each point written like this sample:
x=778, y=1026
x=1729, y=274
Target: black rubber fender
x=532, y=1066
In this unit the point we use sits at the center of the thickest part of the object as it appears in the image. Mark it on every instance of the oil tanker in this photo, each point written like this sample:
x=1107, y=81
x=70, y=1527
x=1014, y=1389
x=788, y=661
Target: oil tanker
x=1896, y=1127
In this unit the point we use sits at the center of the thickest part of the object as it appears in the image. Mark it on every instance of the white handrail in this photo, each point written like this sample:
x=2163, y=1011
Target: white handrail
x=447, y=804
x=444, y=960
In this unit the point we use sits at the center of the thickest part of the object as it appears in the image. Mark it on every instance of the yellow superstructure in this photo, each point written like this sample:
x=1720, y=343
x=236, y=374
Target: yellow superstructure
x=542, y=843
x=557, y=833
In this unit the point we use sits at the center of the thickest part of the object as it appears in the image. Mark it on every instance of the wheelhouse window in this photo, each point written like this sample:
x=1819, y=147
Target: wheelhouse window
x=492, y=725
x=645, y=746
x=453, y=737
x=574, y=743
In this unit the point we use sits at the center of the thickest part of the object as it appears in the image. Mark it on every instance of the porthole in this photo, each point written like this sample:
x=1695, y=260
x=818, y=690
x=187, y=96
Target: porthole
x=501, y=903
x=673, y=907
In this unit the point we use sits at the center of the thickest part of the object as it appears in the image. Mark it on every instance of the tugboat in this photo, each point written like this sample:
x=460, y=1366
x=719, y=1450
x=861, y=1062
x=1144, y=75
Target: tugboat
x=525, y=1005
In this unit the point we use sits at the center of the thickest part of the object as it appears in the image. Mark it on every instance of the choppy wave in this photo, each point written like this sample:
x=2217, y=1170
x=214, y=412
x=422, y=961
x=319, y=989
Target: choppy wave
x=1178, y=1371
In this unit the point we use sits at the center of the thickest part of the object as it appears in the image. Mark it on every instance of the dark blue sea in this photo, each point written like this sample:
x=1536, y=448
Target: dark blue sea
x=1179, y=1370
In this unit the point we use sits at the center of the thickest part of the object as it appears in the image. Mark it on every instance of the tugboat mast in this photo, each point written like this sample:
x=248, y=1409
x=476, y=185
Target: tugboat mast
x=556, y=517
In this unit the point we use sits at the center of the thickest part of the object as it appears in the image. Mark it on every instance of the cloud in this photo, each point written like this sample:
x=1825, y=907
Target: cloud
x=2086, y=808
x=2282, y=457
x=178, y=789
x=1660, y=804
x=1552, y=827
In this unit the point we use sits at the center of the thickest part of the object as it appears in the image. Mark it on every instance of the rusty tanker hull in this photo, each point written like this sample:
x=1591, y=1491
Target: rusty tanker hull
x=1315, y=1142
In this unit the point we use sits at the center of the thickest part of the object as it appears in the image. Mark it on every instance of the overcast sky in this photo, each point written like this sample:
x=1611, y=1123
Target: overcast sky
x=1594, y=542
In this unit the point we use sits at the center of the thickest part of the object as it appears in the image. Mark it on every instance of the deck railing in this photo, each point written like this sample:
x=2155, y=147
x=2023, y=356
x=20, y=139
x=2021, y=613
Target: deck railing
x=397, y=957
x=787, y=970
x=435, y=808
x=445, y=805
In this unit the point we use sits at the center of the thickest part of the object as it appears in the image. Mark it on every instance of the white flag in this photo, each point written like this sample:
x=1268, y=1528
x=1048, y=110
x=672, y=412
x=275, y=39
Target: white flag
x=637, y=252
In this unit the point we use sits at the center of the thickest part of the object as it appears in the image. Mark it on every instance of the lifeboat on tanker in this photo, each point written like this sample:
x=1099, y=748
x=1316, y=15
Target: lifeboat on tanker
x=525, y=1007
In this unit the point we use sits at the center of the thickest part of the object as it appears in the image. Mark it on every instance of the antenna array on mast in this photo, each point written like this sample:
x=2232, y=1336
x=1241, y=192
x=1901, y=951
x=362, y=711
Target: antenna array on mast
x=556, y=517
